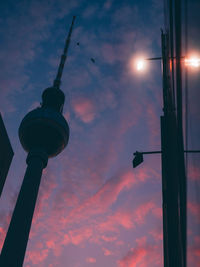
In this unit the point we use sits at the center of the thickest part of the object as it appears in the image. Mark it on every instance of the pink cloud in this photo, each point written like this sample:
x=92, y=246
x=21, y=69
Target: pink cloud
x=194, y=209
x=104, y=197
x=84, y=109
x=107, y=252
x=141, y=241
x=91, y=260
x=2, y=235
x=194, y=173
x=194, y=253
x=112, y=222
x=36, y=256
x=142, y=255
x=157, y=234
x=126, y=219
x=50, y=244
x=5, y=220
x=142, y=211
x=134, y=257
x=157, y=211
x=108, y=238
x=79, y=235
x=59, y=229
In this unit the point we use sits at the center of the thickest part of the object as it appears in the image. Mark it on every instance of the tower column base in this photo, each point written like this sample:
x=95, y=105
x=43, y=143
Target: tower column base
x=15, y=243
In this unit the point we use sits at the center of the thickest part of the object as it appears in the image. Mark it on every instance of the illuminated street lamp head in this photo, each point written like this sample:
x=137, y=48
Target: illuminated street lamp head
x=141, y=65
x=138, y=63
x=192, y=62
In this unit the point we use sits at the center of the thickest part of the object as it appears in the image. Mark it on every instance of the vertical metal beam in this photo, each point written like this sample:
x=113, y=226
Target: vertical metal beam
x=170, y=184
x=171, y=233
x=181, y=160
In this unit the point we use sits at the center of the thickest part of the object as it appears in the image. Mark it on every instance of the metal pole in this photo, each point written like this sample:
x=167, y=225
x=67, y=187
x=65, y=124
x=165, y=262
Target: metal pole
x=181, y=160
x=15, y=244
x=170, y=189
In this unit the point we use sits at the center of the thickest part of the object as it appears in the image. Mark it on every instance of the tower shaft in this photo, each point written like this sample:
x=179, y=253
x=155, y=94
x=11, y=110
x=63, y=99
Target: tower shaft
x=14, y=247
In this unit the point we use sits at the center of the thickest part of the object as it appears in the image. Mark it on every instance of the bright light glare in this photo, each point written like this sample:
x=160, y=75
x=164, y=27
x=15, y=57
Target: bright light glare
x=193, y=62
x=140, y=65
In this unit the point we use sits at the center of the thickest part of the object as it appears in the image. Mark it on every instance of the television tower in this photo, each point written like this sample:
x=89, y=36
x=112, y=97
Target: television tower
x=43, y=133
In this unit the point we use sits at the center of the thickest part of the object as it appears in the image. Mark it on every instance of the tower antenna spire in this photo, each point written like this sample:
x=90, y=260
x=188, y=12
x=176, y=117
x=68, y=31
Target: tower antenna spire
x=57, y=80
x=53, y=97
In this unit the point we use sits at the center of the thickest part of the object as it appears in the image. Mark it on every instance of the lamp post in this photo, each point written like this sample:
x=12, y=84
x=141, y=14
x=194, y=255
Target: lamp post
x=173, y=235
x=174, y=186
x=43, y=133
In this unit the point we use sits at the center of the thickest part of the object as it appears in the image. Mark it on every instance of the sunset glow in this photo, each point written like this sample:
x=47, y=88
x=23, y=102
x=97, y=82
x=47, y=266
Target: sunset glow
x=93, y=208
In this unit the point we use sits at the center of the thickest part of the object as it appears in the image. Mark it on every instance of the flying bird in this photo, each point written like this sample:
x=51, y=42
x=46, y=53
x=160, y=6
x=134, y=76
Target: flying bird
x=92, y=59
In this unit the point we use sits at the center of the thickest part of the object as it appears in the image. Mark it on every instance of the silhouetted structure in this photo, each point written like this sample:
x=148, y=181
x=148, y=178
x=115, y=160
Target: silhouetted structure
x=174, y=183
x=173, y=162
x=6, y=154
x=172, y=236
x=43, y=133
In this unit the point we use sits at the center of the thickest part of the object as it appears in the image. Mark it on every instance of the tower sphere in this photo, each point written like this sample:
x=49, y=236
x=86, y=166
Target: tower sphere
x=46, y=129
x=53, y=98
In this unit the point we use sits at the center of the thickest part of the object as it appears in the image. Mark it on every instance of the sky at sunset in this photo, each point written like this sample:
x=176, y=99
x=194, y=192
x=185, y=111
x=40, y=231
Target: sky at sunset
x=93, y=208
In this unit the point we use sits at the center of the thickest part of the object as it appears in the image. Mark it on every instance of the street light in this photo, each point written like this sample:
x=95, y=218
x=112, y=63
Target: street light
x=141, y=64
x=138, y=63
x=192, y=62
x=138, y=156
x=138, y=159
x=172, y=154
